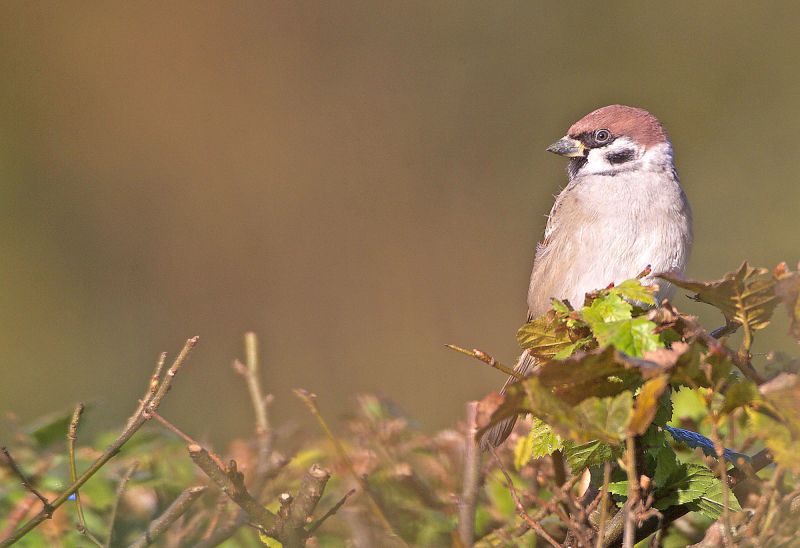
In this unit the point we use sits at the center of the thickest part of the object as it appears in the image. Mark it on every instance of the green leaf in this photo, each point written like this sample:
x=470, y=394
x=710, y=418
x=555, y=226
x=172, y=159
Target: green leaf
x=540, y=442
x=608, y=308
x=544, y=336
x=619, y=488
x=634, y=337
x=739, y=394
x=634, y=290
x=688, y=404
x=698, y=485
x=666, y=466
x=51, y=428
x=589, y=454
x=269, y=541
x=610, y=415
x=570, y=349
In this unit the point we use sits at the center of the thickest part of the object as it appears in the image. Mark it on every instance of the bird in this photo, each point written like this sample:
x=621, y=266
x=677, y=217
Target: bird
x=623, y=210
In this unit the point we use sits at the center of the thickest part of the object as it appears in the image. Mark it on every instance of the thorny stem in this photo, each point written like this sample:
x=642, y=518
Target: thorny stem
x=136, y=422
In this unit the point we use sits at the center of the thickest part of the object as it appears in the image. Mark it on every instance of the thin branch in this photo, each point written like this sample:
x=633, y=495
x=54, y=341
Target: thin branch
x=175, y=510
x=231, y=481
x=132, y=427
x=487, y=359
x=310, y=400
x=264, y=433
x=631, y=506
x=72, y=436
x=46, y=507
x=535, y=525
x=601, y=528
x=123, y=482
x=150, y=391
x=469, y=489
x=184, y=436
x=331, y=511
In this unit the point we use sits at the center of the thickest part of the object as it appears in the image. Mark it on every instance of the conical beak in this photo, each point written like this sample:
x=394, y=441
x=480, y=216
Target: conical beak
x=568, y=147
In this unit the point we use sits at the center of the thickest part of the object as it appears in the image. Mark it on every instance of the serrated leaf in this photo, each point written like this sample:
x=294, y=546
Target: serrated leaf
x=570, y=349
x=544, y=336
x=593, y=453
x=644, y=411
x=739, y=394
x=688, y=485
x=689, y=404
x=744, y=296
x=634, y=290
x=666, y=466
x=607, y=308
x=609, y=415
x=599, y=373
x=540, y=442
x=633, y=337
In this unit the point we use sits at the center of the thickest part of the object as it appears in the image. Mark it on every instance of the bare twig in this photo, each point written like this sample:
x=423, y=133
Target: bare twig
x=331, y=511
x=310, y=400
x=469, y=489
x=535, y=525
x=185, y=437
x=487, y=359
x=72, y=436
x=231, y=481
x=601, y=528
x=264, y=433
x=133, y=426
x=632, y=505
x=123, y=482
x=150, y=391
x=46, y=507
x=175, y=510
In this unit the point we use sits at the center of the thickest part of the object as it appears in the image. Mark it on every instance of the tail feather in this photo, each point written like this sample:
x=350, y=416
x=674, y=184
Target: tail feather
x=498, y=432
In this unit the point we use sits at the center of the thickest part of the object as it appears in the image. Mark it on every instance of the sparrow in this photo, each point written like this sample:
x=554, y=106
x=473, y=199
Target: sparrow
x=622, y=210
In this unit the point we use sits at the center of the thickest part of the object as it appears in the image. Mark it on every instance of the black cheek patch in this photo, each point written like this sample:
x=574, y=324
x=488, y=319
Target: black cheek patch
x=621, y=156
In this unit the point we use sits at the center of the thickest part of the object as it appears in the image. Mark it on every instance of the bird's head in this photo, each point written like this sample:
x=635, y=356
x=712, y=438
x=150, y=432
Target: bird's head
x=615, y=139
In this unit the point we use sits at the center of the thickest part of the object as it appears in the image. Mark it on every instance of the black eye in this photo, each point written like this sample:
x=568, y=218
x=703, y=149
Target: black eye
x=602, y=135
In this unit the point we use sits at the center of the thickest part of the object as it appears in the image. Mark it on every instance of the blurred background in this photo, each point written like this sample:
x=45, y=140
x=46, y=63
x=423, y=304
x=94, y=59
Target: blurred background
x=357, y=182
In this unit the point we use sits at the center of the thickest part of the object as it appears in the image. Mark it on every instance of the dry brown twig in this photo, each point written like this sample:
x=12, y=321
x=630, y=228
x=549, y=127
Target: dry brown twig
x=123, y=482
x=46, y=507
x=175, y=510
x=535, y=525
x=143, y=413
x=469, y=489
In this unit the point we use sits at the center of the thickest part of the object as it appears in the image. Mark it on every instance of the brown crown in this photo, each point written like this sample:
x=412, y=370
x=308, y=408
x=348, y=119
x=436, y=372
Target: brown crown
x=636, y=123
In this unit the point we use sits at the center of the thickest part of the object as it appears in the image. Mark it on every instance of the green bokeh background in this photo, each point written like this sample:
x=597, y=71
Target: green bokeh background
x=360, y=183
